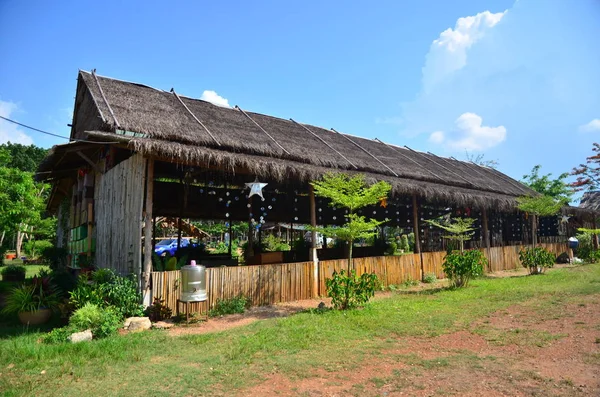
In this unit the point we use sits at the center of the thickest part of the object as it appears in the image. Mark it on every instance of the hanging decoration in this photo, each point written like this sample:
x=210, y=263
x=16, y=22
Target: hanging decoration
x=564, y=219
x=256, y=188
x=383, y=202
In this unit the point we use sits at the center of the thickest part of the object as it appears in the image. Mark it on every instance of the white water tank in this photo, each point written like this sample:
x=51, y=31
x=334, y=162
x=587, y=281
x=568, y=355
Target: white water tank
x=193, y=283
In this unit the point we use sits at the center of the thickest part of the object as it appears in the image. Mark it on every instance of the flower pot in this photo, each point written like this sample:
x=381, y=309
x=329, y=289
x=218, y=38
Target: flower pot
x=13, y=277
x=36, y=317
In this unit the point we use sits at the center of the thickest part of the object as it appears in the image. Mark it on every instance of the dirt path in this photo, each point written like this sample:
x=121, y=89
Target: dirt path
x=515, y=352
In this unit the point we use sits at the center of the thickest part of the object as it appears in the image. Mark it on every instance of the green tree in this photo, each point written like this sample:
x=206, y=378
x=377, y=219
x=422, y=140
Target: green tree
x=351, y=193
x=24, y=158
x=21, y=200
x=460, y=229
x=544, y=184
x=538, y=206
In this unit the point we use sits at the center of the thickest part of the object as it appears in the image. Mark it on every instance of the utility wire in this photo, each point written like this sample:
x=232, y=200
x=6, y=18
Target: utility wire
x=51, y=134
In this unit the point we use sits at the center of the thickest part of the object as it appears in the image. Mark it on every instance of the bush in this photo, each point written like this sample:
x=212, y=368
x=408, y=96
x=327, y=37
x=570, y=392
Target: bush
x=461, y=267
x=350, y=291
x=272, y=243
x=391, y=248
x=55, y=257
x=403, y=245
x=429, y=278
x=108, y=289
x=58, y=335
x=536, y=259
x=229, y=306
x=17, y=271
x=33, y=248
x=158, y=311
x=103, y=321
x=594, y=256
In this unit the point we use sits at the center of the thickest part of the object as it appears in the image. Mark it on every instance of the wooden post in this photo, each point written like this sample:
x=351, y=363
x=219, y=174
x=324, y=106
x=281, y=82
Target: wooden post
x=417, y=234
x=90, y=224
x=595, y=236
x=533, y=230
x=148, y=230
x=484, y=227
x=313, y=241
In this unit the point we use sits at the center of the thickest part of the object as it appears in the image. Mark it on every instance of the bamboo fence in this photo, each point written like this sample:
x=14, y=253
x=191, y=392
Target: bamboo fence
x=274, y=283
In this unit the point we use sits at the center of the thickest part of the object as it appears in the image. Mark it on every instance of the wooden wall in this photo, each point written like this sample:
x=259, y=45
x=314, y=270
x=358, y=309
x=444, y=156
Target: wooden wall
x=269, y=284
x=119, y=195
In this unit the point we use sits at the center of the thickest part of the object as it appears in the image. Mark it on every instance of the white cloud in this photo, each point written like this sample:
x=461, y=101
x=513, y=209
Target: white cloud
x=9, y=131
x=470, y=134
x=437, y=137
x=448, y=53
x=214, y=98
x=592, y=126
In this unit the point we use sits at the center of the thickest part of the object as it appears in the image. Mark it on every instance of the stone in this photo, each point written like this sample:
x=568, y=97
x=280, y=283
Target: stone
x=80, y=336
x=163, y=324
x=136, y=324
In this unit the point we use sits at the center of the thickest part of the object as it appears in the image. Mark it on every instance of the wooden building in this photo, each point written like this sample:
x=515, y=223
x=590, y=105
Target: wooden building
x=138, y=152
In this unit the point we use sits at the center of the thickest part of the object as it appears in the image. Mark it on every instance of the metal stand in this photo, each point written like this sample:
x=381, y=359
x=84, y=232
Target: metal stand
x=202, y=304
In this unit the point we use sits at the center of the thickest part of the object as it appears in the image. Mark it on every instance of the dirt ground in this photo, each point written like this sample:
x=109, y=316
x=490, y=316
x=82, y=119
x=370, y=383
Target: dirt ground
x=514, y=352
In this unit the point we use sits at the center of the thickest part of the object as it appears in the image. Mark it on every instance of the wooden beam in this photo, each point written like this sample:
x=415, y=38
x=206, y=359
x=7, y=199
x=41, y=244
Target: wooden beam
x=484, y=228
x=313, y=241
x=148, y=225
x=90, y=162
x=417, y=234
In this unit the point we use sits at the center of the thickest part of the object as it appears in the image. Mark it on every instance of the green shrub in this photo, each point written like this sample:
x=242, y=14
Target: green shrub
x=585, y=248
x=403, y=245
x=58, y=335
x=33, y=248
x=429, y=278
x=536, y=259
x=229, y=306
x=594, y=256
x=14, y=270
x=107, y=290
x=55, y=257
x=350, y=291
x=272, y=244
x=391, y=248
x=103, y=321
x=410, y=282
x=158, y=311
x=461, y=267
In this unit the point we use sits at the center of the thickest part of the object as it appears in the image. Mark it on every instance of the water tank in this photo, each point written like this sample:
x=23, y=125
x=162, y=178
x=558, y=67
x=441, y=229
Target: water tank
x=193, y=283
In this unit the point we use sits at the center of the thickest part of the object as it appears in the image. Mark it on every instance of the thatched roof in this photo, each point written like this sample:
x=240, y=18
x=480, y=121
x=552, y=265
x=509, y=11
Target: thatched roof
x=165, y=125
x=590, y=201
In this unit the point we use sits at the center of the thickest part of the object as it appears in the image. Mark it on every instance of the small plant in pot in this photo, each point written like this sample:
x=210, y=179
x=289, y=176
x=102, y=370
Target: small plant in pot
x=33, y=303
x=14, y=273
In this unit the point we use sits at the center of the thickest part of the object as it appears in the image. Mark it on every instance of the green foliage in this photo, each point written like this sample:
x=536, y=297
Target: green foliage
x=55, y=257
x=540, y=205
x=586, y=247
x=391, y=248
x=106, y=290
x=461, y=267
x=158, y=311
x=103, y=321
x=536, y=259
x=273, y=243
x=33, y=248
x=171, y=264
x=404, y=245
x=460, y=229
x=544, y=184
x=410, y=282
x=234, y=305
x=58, y=335
x=430, y=278
x=32, y=297
x=22, y=157
x=348, y=291
x=14, y=270
x=158, y=263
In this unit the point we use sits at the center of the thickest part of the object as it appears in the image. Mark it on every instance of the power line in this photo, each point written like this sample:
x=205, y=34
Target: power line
x=51, y=134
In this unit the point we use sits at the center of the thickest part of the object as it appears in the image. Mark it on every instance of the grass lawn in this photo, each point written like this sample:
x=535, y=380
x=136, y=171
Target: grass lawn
x=297, y=347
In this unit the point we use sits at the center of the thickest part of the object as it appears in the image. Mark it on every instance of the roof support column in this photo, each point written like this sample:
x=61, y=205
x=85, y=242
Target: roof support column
x=148, y=235
x=484, y=228
x=594, y=236
x=313, y=241
x=416, y=233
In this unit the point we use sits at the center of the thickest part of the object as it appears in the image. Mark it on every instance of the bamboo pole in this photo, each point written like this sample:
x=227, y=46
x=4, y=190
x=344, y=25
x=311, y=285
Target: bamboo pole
x=313, y=240
x=148, y=226
x=416, y=232
x=484, y=226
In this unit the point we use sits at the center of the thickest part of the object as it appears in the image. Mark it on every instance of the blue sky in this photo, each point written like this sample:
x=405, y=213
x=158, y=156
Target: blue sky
x=517, y=81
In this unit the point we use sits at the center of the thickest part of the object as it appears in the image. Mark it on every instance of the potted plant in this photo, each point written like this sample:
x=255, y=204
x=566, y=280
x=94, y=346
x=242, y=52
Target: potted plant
x=14, y=273
x=33, y=303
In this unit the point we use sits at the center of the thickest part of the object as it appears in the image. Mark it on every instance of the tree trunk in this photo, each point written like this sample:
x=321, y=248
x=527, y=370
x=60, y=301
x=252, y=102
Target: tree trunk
x=350, y=257
x=2, y=238
x=19, y=242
